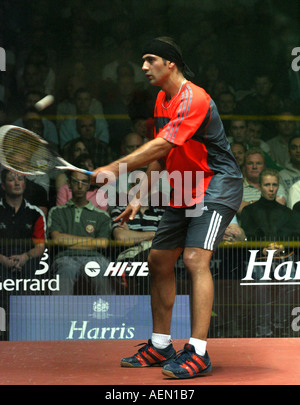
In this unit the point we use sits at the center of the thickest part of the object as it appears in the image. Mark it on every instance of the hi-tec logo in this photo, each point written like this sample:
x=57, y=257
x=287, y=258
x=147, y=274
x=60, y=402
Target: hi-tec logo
x=140, y=269
x=2, y=60
x=92, y=269
x=283, y=273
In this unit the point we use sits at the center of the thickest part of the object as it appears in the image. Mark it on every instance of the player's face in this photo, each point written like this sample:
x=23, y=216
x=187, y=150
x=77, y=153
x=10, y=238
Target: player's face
x=269, y=187
x=156, y=69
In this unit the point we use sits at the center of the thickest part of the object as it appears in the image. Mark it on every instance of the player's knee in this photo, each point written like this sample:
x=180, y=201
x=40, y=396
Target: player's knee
x=196, y=261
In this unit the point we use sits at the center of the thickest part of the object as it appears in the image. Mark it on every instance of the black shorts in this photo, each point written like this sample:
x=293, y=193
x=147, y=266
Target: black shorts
x=205, y=231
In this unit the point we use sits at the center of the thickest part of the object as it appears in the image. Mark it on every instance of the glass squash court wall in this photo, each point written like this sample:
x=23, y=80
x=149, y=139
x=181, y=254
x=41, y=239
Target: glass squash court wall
x=256, y=295
x=246, y=55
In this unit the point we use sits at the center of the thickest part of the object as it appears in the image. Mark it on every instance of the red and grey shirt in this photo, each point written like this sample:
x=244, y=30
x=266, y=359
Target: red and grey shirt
x=190, y=121
x=28, y=223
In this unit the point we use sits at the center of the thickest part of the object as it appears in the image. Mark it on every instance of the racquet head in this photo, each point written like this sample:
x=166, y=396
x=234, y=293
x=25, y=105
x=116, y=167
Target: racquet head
x=25, y=152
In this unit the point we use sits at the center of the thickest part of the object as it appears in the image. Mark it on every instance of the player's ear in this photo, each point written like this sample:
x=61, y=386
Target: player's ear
x=171, y=65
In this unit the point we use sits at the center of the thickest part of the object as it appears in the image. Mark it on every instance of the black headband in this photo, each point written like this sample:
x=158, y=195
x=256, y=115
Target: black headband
x=168, y=52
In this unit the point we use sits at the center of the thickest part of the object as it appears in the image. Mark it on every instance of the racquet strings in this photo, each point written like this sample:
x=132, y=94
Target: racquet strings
x=25, y=152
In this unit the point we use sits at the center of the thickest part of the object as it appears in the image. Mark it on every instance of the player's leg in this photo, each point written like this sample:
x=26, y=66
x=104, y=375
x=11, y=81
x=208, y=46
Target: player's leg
x=159, y=350
x=163, y=288
x=197, y=263
x=203, y=236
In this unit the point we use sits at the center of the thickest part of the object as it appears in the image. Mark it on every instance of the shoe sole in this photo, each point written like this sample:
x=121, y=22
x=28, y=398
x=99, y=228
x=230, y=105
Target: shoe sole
x=204, y=373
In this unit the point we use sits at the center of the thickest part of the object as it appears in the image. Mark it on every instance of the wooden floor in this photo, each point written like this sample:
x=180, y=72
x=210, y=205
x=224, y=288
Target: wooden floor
x=235, y=362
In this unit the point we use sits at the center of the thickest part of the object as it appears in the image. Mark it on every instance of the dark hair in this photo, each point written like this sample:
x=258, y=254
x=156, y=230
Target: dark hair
x=80, y=162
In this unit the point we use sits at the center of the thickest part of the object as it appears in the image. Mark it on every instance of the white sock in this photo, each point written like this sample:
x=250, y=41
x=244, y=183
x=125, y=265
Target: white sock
x=199, y=345
x=160, y=341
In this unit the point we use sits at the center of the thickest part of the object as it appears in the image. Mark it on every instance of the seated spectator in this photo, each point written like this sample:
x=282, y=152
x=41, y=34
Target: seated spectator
x=49, y=129
x=22, y=233
x=19, y=220
x=254, y=140
x=234, y=233
x=33, y=122
x=34, y=193
x=140, y=231
x=66, y=105
x=254, y=164
x=124, y=55
x=99, y=151
x=226, y=104
x=237, y=132
x=116, y=106
x=266, y=218
x=294, y=195
x=80, y=230
x=83, y=106
x=239, y=152
x=291, y=173
x=76, y=149
x=254, y=136
x=279, y=149
x=94, y=194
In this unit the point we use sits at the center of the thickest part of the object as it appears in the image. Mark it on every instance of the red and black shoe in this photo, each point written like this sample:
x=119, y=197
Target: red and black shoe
x=149, y=356
x=188, y=364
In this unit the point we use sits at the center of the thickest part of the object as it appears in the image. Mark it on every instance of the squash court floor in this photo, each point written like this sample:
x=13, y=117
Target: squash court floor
x=266, y=361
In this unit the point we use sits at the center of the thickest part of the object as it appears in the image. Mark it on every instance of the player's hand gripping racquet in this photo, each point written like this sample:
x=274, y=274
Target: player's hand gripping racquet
x=25, y=152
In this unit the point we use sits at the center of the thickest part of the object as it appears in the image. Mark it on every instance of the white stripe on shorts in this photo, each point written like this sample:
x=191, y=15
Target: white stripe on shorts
x=213, y=230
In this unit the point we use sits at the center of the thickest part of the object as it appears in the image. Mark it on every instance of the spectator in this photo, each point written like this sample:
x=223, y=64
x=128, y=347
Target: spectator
x=22, y=232
x=66, y=106
x=76, y=149
x=138, y=234
x=226, y=104
x=95, y=195
x=279, y=149
x=294, y=195
x=82, y=229
x=291, y=173
x=34, y=122
x=254, y=140
x=254, y=164
x=266, y=218
x=124, y=55
x=85, y=104
x=237, y=131
x=239, y=152
x=19, y=220
x=99, y=151
x=234, y=233
x=254, y=136
x=49, y=129
x=117, y=105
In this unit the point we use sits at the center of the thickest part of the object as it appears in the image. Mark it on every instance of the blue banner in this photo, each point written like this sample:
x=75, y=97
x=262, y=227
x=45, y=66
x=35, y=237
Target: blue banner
x=107, y=317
